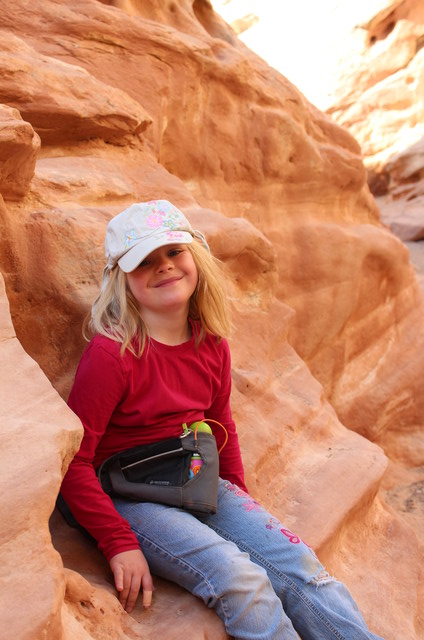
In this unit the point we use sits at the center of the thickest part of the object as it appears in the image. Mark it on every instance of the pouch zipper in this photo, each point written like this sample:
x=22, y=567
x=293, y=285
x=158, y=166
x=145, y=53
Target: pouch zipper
x=158, y=455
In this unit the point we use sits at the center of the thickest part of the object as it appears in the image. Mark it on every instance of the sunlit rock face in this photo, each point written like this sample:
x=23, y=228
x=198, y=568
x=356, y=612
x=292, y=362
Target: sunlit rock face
x=366, y=71
x=379, y=91
x=139, y=100
x=380, y=99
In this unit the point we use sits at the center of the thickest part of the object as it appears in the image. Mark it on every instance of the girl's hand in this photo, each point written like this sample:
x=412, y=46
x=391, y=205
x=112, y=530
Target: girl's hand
x=131, y=571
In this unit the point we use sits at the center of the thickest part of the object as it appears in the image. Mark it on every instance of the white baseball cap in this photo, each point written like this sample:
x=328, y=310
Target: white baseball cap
x=145, y=226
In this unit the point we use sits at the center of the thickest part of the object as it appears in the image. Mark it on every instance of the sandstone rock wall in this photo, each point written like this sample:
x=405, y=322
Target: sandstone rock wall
x=366, y=70
x=110, y=103
x=378, y=97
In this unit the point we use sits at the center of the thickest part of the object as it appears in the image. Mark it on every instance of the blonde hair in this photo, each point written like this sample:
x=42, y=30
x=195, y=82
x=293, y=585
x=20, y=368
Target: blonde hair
x=116, y=315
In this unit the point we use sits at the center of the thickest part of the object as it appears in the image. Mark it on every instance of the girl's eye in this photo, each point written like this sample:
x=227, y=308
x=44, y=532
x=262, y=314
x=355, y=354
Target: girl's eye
x=172, y=253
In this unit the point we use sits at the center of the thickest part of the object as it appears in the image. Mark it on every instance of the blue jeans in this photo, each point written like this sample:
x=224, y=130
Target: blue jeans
x=261, y=579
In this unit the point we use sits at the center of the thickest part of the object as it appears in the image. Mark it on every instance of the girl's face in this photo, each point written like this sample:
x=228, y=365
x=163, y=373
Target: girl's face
x=165, y=280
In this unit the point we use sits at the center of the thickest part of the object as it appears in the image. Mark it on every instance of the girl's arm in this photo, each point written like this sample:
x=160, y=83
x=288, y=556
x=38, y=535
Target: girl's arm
x=98, y=388
x=131, y=571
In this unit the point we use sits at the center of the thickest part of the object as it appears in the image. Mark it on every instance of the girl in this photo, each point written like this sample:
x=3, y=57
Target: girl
x=158, y=359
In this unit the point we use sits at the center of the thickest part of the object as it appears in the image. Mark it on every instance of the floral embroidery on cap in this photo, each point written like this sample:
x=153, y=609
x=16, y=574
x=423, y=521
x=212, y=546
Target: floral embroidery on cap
x=155, y=220
x=171, y=224
x=163, y=215
x=145, y=225
x=175, y=235
x=130, y=237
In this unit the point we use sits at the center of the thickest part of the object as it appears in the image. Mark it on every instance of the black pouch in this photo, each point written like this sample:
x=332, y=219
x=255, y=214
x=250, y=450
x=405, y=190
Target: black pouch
x=160, y=472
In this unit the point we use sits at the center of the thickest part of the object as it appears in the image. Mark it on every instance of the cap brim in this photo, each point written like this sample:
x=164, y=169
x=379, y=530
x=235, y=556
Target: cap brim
x=138, y=252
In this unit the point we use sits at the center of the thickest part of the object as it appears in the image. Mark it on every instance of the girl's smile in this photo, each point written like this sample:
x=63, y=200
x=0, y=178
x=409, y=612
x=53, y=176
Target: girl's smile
x=165, y=280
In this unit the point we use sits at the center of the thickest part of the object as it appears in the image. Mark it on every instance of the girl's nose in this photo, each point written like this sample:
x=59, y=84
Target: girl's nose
x=165, y=265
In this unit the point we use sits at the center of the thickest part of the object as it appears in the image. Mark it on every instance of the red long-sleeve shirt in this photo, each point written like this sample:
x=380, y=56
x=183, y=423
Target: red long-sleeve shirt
x=123, y=401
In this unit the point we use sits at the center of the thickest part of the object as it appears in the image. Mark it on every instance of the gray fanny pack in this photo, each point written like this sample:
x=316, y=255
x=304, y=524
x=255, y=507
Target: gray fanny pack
x=181, y=472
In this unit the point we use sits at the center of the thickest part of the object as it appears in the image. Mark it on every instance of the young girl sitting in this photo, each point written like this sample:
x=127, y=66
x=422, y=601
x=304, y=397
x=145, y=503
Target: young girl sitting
x=159, y=359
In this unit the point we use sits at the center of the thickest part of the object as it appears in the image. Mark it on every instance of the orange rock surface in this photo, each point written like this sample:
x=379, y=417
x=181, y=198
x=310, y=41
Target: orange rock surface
x=366, y=71
x=135, y=100
x=379, y=97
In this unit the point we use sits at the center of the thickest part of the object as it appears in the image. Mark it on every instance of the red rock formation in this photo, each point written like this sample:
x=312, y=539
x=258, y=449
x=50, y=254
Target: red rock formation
x=378, y=93
x=39, y=435
x=160, y=100
x=379, y=98
x=20, y=145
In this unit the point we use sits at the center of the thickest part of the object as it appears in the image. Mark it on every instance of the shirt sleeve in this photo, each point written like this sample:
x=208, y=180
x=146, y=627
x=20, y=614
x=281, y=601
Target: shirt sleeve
x=98, y=388
x=230, y=461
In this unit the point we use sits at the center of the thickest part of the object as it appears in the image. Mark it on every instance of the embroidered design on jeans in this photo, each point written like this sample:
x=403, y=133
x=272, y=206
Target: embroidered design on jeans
x=293, y=538
x=273, y=523
x=250, y=504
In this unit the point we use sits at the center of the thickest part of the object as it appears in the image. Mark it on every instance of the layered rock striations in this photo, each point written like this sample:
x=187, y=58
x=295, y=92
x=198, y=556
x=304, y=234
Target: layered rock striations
x=109, y=103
